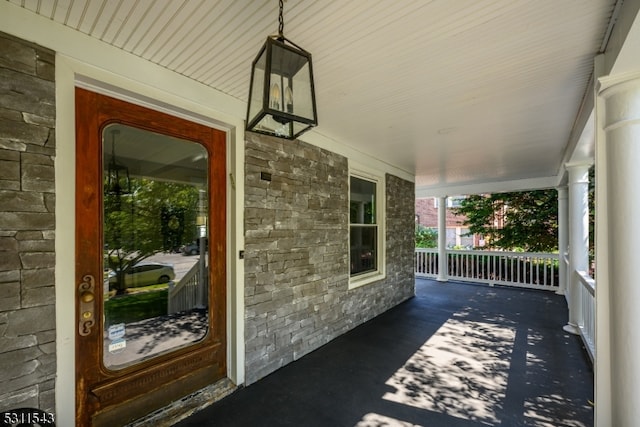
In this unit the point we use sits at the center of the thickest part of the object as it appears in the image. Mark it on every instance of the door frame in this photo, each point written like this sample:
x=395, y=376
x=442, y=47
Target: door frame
x=118, y=74
x=194, y=367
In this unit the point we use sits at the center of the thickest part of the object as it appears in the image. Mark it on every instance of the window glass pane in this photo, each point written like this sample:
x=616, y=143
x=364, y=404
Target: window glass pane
x=154, y=205
x=362, y=209
x=363, y=249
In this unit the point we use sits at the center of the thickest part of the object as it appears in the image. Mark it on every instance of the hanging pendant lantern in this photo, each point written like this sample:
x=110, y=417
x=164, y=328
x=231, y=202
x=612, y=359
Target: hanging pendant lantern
x=282, y=101
x=118, y=180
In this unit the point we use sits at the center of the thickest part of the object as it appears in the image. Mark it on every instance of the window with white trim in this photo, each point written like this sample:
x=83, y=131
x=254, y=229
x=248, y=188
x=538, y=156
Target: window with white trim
x=366, y=206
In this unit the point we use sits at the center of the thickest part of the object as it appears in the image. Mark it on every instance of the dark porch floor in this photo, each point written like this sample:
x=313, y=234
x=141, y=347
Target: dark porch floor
x=455, y=355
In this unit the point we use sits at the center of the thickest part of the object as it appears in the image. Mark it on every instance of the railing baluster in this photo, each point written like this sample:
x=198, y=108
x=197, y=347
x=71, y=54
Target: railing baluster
x=493, y=263
x=474, y=266
x=531, y=264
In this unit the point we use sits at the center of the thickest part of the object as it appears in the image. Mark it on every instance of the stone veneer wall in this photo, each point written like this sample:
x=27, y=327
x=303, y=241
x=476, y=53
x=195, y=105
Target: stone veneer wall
x=297, y=254
x=27, y=198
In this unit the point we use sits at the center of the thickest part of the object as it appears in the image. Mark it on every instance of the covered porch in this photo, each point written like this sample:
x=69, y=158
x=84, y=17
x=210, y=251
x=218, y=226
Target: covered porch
x=458, y=354
x=425, y=99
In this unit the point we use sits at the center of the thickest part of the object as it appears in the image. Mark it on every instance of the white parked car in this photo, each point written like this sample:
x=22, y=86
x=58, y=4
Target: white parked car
x=151, y=273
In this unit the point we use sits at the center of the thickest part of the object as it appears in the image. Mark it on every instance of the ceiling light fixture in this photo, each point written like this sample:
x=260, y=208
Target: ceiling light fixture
x=282, y=101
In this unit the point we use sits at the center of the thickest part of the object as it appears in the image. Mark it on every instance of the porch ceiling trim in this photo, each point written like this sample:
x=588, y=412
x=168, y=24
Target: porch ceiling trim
x=488, y=187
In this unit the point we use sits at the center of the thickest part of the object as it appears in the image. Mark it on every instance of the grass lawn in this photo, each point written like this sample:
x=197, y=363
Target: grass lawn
x=136, y=306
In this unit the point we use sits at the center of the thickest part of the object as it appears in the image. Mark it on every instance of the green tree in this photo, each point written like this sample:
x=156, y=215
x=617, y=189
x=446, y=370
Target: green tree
x=520, y=220
x=154, y=217
x=426, y=237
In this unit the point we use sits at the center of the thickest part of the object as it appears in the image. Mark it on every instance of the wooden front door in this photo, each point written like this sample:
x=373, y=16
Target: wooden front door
x=150, y=259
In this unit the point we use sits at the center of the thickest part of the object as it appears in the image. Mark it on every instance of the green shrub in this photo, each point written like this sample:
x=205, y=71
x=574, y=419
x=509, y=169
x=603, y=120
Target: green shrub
x=426, y=237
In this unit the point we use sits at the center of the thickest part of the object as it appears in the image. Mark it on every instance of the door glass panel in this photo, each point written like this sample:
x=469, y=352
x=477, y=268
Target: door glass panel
x=155, y=281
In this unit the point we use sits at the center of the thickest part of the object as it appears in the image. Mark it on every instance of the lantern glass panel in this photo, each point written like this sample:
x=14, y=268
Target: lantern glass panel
x=299, y=128
x=291, y=82
x=257, y=86
x=302, y=97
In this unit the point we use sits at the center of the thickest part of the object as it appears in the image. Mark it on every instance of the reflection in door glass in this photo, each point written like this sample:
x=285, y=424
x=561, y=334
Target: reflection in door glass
x=155, y=282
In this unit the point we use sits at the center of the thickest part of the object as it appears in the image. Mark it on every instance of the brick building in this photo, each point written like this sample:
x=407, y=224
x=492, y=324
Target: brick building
x=427, y=216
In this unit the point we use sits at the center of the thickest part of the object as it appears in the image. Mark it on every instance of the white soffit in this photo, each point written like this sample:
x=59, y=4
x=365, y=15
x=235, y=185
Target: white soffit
x=460, y=93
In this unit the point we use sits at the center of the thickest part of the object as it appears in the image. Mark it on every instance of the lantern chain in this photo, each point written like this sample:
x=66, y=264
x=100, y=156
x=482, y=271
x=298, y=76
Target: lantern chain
x=281, y=20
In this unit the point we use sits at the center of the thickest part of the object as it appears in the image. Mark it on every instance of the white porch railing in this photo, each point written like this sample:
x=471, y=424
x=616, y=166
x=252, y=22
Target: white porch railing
x=587, y=315
x=519, y=269
x=190, y=292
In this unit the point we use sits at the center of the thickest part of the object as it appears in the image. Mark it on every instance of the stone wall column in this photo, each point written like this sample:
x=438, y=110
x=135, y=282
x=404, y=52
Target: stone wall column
x=27, y=222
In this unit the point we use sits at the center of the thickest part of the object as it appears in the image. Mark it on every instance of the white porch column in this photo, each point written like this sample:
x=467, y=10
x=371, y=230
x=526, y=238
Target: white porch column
x=563, y=238
x=443, y=275
x=578, y=239
x=619, y=150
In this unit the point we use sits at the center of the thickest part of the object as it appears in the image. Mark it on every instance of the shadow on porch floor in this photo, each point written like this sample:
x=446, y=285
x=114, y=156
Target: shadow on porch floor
x=456, y=355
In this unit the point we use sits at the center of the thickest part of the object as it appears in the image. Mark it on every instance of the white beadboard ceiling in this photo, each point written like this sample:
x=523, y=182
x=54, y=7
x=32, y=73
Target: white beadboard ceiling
x=456, y=92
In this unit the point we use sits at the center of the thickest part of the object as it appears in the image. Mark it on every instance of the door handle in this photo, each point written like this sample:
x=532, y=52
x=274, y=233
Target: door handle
x=86, y=291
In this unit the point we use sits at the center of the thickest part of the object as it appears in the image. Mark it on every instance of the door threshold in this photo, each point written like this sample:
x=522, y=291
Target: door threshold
x=186, y=406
